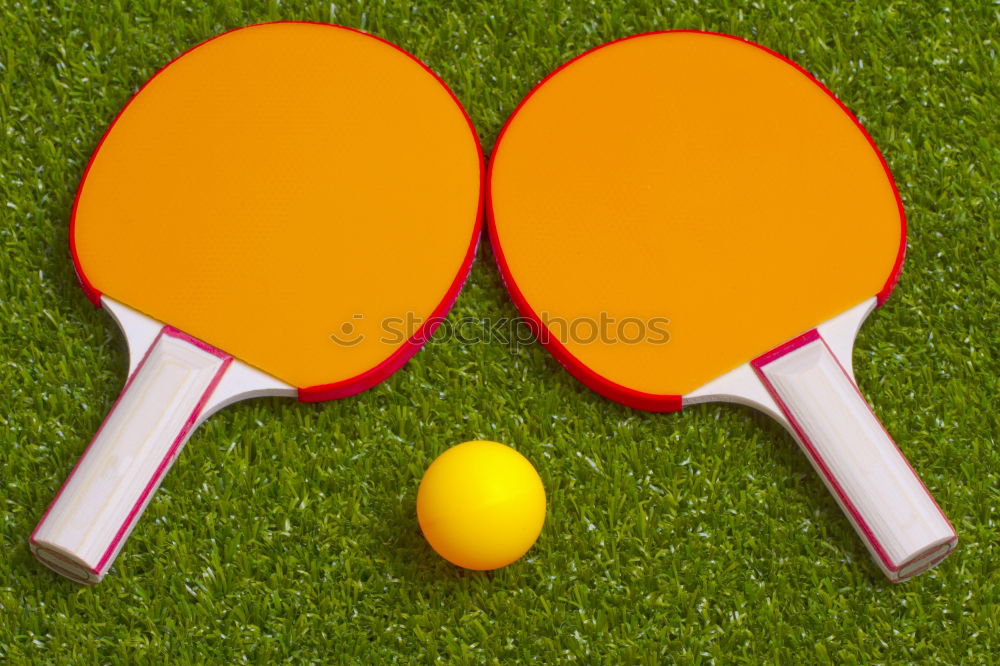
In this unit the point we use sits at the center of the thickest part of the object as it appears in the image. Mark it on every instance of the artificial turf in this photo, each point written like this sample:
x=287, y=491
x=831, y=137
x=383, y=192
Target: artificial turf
x=287, y=531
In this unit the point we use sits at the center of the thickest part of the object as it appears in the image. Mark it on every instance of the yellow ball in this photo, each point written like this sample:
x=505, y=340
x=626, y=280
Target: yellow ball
x=481, y=505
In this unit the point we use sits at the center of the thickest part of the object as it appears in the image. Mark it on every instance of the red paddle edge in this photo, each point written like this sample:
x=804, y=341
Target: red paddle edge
x=630, y=397
x=400, y=356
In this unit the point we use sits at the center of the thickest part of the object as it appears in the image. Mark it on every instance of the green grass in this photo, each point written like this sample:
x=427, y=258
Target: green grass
x=287, y=531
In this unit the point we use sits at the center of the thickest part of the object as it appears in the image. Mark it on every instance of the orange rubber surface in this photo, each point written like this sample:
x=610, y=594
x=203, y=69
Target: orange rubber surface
x=693, y=177
x=276, y=183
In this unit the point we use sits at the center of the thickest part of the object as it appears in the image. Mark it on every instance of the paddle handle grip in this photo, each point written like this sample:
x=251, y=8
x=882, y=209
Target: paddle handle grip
x=886, y=502
x=94, y=512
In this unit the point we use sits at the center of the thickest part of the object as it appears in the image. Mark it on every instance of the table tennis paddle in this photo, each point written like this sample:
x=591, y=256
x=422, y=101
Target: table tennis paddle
x=704, y=180
x=264, y=218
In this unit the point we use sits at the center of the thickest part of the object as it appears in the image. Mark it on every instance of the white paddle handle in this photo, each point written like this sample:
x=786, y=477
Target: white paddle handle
x=875, y=486
x=93, y=514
